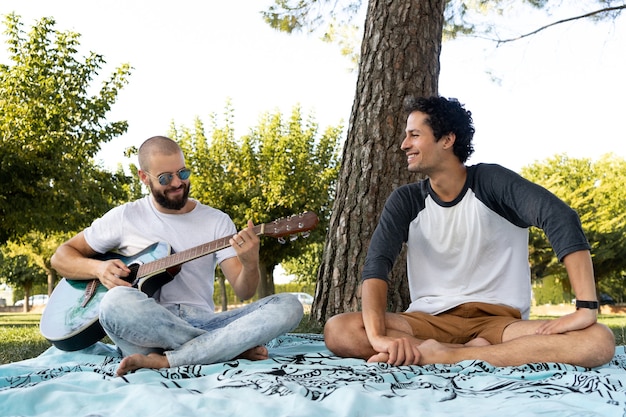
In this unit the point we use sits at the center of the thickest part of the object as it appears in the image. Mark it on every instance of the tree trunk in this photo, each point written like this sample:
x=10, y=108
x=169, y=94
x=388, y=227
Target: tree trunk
x=52, y=279
x=223, y=295
x=266, y=283
x=399, y=57
x=28, y=287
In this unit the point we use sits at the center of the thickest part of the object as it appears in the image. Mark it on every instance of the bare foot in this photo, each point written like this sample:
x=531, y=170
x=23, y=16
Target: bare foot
x=432, y=352
x=257, y=353
x=379, y=357
x=138, y=361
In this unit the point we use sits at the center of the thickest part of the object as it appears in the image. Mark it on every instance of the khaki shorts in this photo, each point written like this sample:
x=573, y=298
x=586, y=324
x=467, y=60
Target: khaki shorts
x=463, y=323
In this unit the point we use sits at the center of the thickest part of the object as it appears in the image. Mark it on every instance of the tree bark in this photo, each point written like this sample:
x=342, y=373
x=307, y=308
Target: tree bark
x=223, y=296
x=399, y=57
x=52, y=279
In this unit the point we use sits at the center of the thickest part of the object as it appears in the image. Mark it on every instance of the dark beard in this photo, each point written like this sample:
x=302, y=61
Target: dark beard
x=162, y=199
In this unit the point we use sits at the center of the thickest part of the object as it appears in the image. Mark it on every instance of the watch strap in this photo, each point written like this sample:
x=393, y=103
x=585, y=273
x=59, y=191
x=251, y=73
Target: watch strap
x=592, y=305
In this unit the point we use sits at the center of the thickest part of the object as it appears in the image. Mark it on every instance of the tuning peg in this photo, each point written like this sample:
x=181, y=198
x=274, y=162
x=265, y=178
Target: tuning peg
x=305, y=234
x=293, y=237
x=282, y=240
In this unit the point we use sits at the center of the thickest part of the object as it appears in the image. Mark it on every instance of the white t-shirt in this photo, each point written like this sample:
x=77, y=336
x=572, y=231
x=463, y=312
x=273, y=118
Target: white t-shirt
x=131, y=227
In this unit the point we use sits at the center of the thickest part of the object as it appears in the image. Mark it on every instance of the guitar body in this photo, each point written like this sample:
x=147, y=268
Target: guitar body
x=70, y=319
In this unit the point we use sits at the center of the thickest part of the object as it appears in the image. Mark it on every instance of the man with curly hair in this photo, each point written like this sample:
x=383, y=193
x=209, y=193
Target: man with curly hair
x=466, y=233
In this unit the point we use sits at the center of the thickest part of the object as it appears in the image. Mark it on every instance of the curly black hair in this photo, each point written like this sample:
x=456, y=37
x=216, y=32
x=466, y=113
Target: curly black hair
x=446, y=116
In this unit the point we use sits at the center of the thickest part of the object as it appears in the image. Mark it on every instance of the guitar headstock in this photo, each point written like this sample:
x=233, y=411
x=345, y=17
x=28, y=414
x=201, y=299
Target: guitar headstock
x=291, y=226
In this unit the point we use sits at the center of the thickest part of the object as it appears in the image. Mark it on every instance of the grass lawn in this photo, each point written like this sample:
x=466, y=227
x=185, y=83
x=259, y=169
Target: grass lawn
x=20, y=338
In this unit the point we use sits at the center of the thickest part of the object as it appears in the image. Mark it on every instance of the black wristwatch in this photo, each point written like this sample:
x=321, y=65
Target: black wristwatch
x=592, y=305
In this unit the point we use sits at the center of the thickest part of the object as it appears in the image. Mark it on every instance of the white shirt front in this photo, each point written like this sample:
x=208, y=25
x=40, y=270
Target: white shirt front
x=131, y=227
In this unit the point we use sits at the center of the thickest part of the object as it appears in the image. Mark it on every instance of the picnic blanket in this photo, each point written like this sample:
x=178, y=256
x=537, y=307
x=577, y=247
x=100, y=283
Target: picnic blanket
x=302, y=378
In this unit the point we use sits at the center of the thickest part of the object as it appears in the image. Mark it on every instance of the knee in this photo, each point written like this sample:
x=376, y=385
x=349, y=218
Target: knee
x=336, y=331
x=117, y=301
x=117, y=296
x=295, y=307
x=605, y=343
x=289, y=308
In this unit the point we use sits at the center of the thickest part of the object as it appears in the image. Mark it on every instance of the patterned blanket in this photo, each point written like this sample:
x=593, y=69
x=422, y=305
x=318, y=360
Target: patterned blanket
x=302, y=378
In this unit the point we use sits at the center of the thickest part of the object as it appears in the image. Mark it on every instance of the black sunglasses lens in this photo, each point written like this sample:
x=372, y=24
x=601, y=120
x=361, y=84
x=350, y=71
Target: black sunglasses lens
x=165, y=179
x=184, y=174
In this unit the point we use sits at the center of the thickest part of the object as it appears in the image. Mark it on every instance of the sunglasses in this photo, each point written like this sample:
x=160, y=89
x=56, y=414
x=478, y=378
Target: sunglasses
x=167, y=177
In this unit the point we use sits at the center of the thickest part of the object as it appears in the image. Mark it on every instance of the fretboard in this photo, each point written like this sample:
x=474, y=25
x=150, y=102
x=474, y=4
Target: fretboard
x=187, y=255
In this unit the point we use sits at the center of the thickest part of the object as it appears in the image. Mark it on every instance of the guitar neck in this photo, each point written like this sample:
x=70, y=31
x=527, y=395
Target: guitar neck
x=190, y=254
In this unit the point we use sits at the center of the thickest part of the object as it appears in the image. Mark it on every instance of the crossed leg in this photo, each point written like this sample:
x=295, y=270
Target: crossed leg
x=594, y=346
x=345, y=336
x=158, y=361
x=589, y=348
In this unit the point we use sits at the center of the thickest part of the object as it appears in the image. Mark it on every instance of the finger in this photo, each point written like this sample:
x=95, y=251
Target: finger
x=122, y=266
x=399, y=357
x=394, y=354
x=121, y=272
x=409, y=356
x=543, y=329
x=117, y=278
x=248, y=235
x=416, y=355
x=236, y=241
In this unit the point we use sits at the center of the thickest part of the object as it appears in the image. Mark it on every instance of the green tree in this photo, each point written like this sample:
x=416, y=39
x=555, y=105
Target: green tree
x=52, y=124
x=37, y=248
x=595, y=190
x=284, y=166
x=399, y=57
x=306, y=265
x=19, y=268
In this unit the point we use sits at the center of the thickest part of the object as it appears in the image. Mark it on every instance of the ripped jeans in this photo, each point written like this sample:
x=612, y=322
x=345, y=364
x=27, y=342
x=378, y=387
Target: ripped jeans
x=188, y=335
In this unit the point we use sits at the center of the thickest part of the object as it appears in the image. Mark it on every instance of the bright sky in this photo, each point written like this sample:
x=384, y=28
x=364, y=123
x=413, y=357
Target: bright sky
x=559, y=91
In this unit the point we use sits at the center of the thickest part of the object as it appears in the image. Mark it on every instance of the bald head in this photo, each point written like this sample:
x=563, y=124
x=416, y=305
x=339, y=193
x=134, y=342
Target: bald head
x=153, y=146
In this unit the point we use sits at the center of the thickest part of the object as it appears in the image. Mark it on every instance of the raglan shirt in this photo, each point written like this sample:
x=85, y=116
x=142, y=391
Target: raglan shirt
x=472, y=249
x=132, y=227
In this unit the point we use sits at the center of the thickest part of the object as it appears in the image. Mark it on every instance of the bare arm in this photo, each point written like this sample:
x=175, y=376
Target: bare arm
x=402, y=350
x=580, y=271
x=243, y=271
x=74, y=260
x=374, y=306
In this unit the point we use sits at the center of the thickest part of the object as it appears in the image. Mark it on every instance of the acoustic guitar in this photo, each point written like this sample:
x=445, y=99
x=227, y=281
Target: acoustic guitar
x=70, y=319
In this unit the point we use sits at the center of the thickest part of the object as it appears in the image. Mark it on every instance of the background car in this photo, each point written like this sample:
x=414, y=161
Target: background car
x=34, y=300
x=304, y=298
x=606, y=299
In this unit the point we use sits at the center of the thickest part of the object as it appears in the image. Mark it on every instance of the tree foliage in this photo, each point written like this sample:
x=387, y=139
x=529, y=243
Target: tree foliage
x=21, y=268
x=31, y=255
x=52, y=124
x=462, y=18
x=305, y=266
x=284, y=166
x=595, y=189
